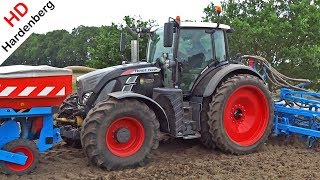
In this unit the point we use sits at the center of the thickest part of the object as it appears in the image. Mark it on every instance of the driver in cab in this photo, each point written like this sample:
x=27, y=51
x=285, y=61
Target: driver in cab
x=191, y=51
x=192, y=54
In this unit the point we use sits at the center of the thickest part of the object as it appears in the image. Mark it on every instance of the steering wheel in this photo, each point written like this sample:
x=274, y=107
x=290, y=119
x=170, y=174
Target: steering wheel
x=182, y=56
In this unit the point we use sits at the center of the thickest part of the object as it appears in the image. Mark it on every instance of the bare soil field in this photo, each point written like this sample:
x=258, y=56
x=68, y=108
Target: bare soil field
x=188, y=159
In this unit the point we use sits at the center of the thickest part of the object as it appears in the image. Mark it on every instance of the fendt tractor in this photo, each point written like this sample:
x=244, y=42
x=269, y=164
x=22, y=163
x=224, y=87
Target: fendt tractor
x=188, y=88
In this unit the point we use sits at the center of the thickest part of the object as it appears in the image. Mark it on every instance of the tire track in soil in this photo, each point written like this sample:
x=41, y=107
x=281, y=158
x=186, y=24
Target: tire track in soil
x=187, y=159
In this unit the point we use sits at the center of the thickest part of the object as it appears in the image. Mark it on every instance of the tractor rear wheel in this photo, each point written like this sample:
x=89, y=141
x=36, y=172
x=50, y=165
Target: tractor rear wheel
x=120, y=133
x=241, y=114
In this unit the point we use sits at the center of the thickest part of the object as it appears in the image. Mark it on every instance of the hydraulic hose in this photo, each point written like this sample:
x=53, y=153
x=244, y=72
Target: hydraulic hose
x=275, y=77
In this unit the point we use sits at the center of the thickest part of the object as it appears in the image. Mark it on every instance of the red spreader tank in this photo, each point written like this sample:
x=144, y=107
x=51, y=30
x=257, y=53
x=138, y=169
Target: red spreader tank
x=24, y=87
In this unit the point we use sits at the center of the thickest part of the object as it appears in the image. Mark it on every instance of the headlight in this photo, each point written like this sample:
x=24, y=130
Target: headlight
x=85, y=97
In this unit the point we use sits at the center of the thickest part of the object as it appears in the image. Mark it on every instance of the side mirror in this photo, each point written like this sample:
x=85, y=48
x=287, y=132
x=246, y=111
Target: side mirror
x=230, y=30
x=134, y=51
x=168, y=34
x=123, y=42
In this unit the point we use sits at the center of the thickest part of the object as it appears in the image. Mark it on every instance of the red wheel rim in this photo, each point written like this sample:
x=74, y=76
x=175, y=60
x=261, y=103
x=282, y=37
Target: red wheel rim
x=135, y=139
x=246, y=115
x=25, y=151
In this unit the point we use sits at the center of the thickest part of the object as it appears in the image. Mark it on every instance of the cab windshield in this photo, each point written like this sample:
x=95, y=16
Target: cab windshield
x=155, y=47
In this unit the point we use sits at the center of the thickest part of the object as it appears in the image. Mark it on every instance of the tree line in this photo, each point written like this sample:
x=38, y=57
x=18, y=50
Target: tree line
x=96, y=47
x=285, y=32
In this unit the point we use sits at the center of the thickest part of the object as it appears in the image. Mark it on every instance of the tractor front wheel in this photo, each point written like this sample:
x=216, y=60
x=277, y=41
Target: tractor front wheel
x=120, y=133
x=241, y=114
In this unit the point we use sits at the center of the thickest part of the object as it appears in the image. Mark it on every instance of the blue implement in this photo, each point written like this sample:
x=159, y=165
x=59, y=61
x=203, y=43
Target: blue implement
x=298, y=112
x=16, y=125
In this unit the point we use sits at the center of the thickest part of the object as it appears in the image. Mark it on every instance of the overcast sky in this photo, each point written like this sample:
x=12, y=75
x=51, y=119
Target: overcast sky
x=72, y=13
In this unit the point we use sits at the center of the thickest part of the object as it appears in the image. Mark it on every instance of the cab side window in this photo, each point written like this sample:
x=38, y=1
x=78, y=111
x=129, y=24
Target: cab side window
x=220, y=48
x=195, y=42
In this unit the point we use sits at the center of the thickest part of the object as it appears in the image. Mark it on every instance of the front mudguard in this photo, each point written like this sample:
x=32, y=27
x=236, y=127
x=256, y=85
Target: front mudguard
x=158, y=110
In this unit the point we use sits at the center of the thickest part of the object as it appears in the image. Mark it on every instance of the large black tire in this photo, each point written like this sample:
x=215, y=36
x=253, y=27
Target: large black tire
x=69, y=103
x=99, y=135
x=75, y=143
x=241, y=114
x=28, y=148
x=206, y=137
x=66, y=110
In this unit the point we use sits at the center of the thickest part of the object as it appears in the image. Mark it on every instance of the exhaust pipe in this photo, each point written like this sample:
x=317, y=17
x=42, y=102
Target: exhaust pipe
x=134, y=51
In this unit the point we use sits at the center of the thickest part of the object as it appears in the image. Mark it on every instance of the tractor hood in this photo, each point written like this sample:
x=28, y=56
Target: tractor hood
x=95, y=80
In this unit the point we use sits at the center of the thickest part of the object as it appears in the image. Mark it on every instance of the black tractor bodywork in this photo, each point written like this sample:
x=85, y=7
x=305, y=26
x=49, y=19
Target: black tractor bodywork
x=144, y=81
x=186, y=94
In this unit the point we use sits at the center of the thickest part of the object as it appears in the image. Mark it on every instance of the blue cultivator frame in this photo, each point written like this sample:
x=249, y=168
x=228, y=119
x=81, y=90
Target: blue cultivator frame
x=12, y=128
x=298, y=112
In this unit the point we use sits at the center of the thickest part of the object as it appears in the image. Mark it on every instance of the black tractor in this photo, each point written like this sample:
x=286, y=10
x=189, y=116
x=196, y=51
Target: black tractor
x=188, y=88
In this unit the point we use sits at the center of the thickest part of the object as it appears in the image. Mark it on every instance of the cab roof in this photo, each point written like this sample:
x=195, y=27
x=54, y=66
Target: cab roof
x=199, y=25
x=204, y=25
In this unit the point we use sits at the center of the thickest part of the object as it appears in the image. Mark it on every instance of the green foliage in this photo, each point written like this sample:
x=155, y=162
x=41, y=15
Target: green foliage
x=57, y=48
x=107, y=53
x=285, y=32
x=96, y=47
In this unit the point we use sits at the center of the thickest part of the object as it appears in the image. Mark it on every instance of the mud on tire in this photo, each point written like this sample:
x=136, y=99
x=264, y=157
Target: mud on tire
x=112, y=125
x=66, y=110
x=241, y=114
x=206, y=137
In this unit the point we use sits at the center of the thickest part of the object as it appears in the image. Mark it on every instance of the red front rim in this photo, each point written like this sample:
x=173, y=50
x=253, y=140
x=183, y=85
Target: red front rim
x=25, y=151
x=246, y=115
x=135, y=139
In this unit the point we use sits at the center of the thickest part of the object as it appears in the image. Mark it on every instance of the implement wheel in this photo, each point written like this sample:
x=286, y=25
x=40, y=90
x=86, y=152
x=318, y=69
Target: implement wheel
x=22, y=146
x=241, y=114
x=120, y=133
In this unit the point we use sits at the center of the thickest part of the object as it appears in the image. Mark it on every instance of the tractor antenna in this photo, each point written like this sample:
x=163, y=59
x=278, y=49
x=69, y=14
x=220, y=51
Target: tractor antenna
x=218, y=10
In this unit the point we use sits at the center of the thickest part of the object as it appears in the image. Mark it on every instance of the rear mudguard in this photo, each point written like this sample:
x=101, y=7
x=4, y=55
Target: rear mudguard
x=210, y=79
x=158, y=110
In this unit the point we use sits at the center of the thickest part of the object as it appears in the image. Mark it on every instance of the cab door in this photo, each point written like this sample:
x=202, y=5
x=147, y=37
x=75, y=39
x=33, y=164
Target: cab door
x=195, y=52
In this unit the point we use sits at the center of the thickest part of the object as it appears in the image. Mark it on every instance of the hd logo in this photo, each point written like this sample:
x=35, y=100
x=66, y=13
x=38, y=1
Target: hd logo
x=18, y=19
x=20, y=9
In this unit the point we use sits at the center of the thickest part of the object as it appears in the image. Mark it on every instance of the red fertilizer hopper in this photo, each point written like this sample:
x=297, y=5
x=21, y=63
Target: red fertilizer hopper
x=24, y=87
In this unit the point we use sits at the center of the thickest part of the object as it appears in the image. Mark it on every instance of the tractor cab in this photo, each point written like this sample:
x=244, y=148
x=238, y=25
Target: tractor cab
x=194, y=47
